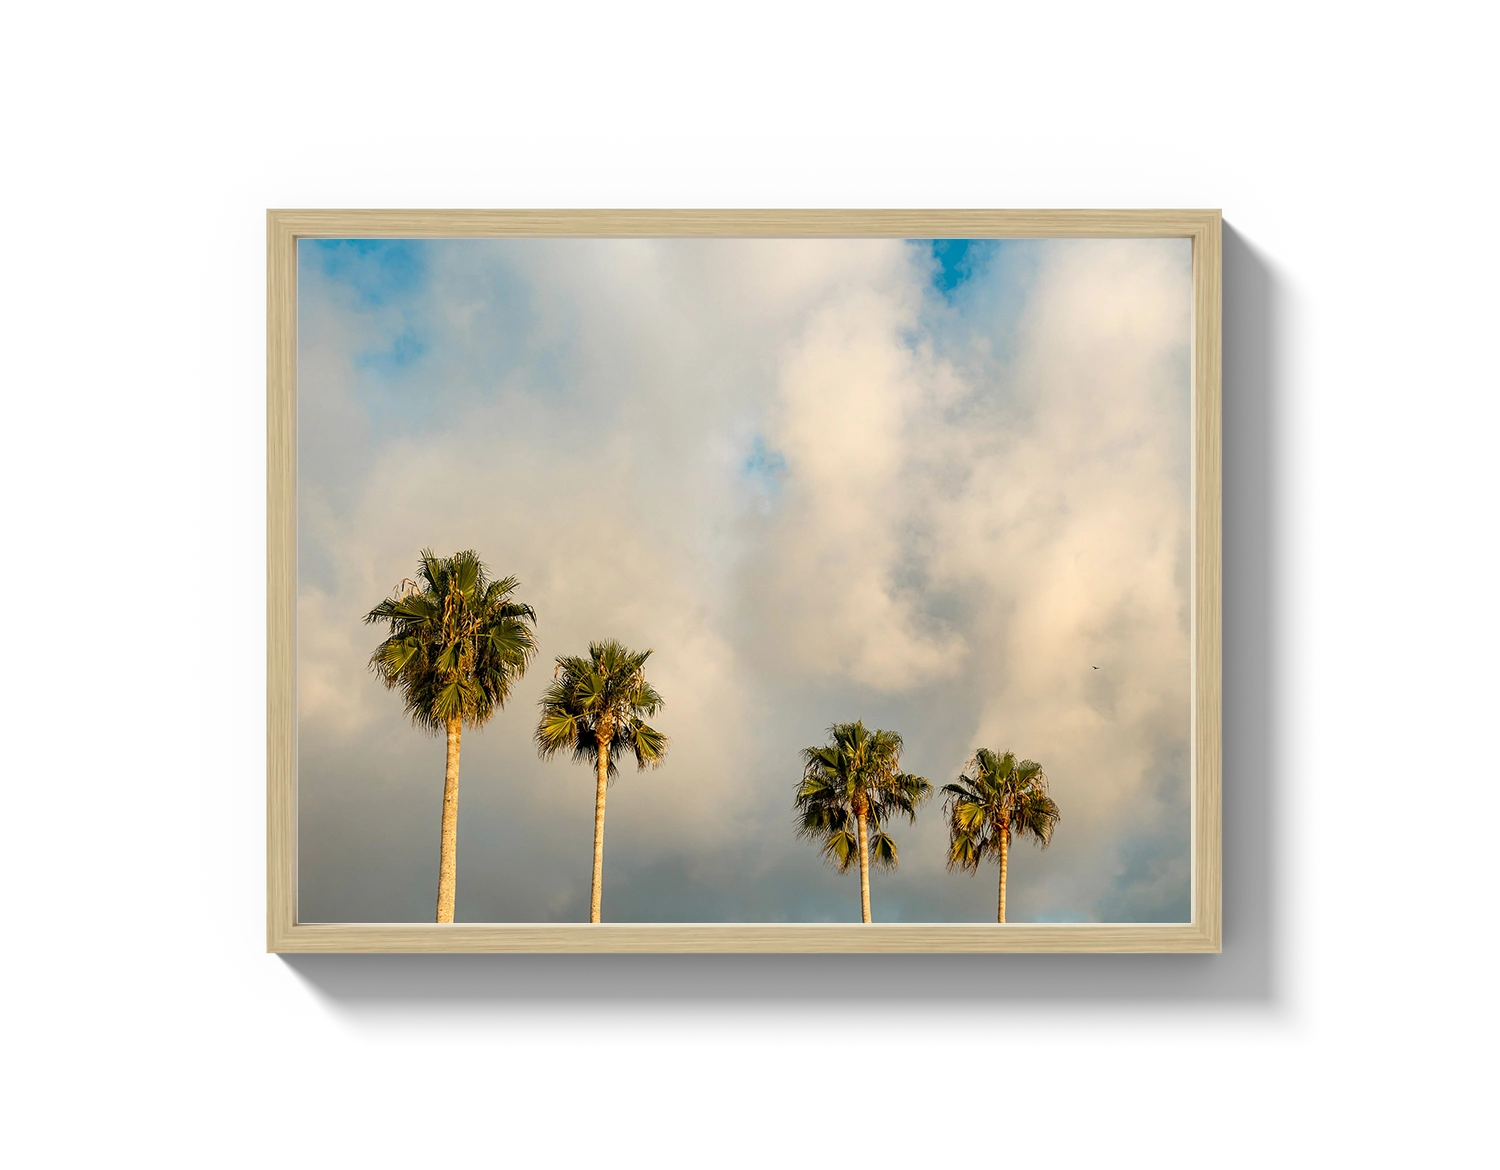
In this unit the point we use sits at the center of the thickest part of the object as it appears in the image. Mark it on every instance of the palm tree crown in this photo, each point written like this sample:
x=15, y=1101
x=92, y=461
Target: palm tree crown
x=850, y=788
x=994, y=798
x=597, y=707
x=600, y=699
x=458, y=641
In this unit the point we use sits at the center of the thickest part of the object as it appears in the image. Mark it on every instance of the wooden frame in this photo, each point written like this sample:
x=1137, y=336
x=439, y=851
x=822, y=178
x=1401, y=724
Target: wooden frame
x=285, y=934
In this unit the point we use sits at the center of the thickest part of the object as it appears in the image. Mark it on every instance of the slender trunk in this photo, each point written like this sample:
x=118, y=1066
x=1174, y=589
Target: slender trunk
x=448, y=858
x=1004, y=868
x=596, y=891
x=864, y=868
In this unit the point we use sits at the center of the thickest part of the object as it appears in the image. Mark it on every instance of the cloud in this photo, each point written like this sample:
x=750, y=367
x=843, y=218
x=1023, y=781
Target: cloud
x=820, y=487
x=832, y=567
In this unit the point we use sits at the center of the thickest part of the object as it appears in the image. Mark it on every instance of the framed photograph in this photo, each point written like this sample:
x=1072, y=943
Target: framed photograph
x=743, y=581
x=899, y=447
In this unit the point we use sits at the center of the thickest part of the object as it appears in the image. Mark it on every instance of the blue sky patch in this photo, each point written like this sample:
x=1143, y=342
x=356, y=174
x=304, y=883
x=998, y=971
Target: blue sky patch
x=764, y=470
x=763, y=462
x=959, y=261
x=378, y=271
x=405, y=348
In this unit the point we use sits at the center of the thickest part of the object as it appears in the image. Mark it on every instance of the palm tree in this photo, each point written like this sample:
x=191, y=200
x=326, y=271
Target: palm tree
x=849, y=789
x=457, y=642
x=994, y=797
x=597, y=707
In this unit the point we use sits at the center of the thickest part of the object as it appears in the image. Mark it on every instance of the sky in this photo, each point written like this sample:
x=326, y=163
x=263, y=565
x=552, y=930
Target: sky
x=939, y=486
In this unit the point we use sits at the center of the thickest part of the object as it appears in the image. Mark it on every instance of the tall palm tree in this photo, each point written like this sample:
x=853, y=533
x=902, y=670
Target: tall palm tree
x=850, y=787
x=597, y=707
x=994, y=797
x=457, y=641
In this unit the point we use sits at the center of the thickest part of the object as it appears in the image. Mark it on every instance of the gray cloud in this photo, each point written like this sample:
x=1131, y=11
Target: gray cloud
x=821, y=490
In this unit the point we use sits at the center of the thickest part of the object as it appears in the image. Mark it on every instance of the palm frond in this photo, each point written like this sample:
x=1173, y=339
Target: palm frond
x=964, y=851
x=648, y=745
x=557, y=729
x=841, y=849
x=883, y=850
x=1036, y=815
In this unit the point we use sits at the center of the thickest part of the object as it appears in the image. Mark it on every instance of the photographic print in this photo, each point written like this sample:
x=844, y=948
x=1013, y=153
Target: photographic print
x=743, y=581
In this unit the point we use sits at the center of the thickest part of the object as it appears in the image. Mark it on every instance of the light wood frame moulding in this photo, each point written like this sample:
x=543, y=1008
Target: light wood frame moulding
x=284, y=934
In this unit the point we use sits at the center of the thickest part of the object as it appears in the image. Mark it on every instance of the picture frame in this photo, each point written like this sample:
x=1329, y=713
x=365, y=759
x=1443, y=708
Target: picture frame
x=1272, y=363
x=285, y=934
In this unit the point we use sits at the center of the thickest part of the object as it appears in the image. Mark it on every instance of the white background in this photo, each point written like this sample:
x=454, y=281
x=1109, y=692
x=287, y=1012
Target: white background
x=1350, y=1019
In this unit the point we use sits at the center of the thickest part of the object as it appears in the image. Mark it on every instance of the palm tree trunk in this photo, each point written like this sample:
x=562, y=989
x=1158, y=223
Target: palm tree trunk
x=1004, y=869
x=448, y=857
x=864, y=868
x=596, y=892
